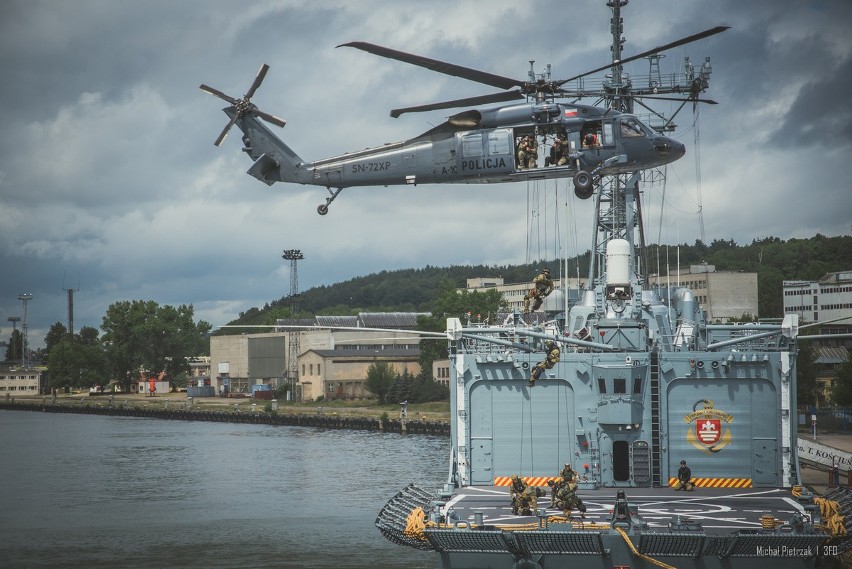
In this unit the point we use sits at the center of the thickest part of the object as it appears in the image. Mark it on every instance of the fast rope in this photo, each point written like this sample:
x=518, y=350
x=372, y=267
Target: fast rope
x=641, y=555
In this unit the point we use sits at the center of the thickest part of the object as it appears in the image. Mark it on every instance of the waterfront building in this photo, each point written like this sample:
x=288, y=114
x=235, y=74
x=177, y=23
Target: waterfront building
x=827, y=300
x=336, y=345
x=16, y=380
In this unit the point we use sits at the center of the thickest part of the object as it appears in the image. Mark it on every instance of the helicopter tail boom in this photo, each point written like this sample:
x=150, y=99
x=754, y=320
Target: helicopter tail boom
x=274, y=161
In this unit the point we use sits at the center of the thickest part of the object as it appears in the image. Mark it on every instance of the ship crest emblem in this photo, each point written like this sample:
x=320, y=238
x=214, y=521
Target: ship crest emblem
x=709, y=432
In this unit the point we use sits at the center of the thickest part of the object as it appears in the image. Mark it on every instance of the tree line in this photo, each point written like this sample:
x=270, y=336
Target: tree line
x=416, y=290
x=142, y=335
x=138, y=336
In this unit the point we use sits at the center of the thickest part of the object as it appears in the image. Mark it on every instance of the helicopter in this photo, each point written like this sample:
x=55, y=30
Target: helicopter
x=477, y=145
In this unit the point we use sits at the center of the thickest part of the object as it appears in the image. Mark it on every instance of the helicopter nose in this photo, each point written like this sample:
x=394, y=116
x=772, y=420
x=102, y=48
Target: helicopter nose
x=669, y=148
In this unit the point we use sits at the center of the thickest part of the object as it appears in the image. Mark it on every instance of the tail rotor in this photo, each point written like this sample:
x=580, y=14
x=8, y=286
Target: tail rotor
x=243, y=106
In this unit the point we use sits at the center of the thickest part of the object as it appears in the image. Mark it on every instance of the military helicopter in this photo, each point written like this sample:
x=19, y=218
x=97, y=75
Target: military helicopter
x=476, y=145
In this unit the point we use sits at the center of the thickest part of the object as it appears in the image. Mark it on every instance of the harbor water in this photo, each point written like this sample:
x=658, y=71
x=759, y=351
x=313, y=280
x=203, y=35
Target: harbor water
x=93, y=491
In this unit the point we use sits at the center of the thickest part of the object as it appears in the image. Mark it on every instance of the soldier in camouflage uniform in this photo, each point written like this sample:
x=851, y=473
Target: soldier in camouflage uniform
x=516, y=488
x=554, y=490
x=542, y=286
x=568, y=474
x=551, y=360
x=558, y=152
x=567, y=499
x=527, y=153
x=526, y=503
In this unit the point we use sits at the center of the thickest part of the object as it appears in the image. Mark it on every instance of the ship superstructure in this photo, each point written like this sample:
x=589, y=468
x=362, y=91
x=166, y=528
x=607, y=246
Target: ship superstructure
x=643, y=382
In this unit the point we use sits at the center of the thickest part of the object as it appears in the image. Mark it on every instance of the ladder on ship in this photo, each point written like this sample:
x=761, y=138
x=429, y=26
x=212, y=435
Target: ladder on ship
x=656, y=480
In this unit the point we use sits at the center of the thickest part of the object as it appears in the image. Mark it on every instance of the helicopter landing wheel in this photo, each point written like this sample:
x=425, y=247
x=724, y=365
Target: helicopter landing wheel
x=583, y=186
x=322, y=209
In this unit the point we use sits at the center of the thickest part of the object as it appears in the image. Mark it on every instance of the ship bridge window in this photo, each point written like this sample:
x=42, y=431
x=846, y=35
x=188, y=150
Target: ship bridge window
x=619, y=385
x=472, y=145
x=637, y=385
x=602, y=385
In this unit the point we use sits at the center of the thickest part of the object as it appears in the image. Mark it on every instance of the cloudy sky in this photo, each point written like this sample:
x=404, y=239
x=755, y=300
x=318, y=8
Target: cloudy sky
x=110, y=183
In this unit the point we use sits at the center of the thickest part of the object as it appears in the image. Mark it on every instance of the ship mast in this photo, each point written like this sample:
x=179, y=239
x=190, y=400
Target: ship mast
x=618, y=210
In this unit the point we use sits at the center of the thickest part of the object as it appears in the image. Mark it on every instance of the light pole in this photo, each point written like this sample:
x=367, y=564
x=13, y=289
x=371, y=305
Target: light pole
x=294, y=256
x=24, y=297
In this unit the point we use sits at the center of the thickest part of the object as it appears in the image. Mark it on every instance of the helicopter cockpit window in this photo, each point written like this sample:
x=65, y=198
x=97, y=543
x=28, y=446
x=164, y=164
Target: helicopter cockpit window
x=631, y=128
x=472, y=145
x=607, y=139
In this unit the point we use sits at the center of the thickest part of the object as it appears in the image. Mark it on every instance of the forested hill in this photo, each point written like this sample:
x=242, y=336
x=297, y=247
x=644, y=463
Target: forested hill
x=773, y=259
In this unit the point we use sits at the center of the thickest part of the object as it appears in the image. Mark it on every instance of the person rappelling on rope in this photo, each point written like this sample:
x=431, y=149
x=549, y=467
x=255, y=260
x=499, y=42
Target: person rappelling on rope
x=549, y=361
x=542, y=286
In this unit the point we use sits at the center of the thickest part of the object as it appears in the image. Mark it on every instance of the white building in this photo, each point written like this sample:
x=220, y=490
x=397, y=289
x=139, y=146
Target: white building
x=15, y=380
x=724, y=295
x=830, y=298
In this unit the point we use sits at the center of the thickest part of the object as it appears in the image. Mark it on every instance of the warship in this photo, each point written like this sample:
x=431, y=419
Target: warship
x=642, y=382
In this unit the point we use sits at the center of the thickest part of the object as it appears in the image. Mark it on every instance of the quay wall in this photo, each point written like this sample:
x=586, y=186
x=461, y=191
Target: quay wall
x=255, y=417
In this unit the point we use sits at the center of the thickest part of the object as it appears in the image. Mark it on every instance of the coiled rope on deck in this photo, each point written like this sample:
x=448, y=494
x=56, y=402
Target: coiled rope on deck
x=829, y=510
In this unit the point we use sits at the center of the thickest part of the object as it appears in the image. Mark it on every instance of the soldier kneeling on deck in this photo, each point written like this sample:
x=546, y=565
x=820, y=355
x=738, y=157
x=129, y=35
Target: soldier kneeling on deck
x=567, y=499
x=684, y=474
x=554, y=490
x=526, y=503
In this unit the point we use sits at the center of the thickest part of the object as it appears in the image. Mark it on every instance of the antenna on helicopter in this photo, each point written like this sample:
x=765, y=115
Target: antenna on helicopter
x=244, y=106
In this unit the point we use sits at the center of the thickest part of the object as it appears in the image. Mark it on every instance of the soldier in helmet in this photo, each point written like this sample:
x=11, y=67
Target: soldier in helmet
x=527, y=152
x=526, y=503
x=569, y=475
x=558, y=151
x=516, y=491
x=542, y=286
x=549, y=361
x=554, y=490
x=567, y=499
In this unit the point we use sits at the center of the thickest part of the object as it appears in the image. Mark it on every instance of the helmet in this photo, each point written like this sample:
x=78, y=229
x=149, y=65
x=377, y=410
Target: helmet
x=546, y=270
x=683, y=463
x=514, y=477
x=549, y=344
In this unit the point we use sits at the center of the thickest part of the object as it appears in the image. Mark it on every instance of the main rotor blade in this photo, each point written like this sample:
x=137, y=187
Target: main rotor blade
x=217, y=93
x=270, y=118
x=470, y=101
x=261, y=73
x=225, y=130
x=436, y=65
x=688, y=99
x=683, y=41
